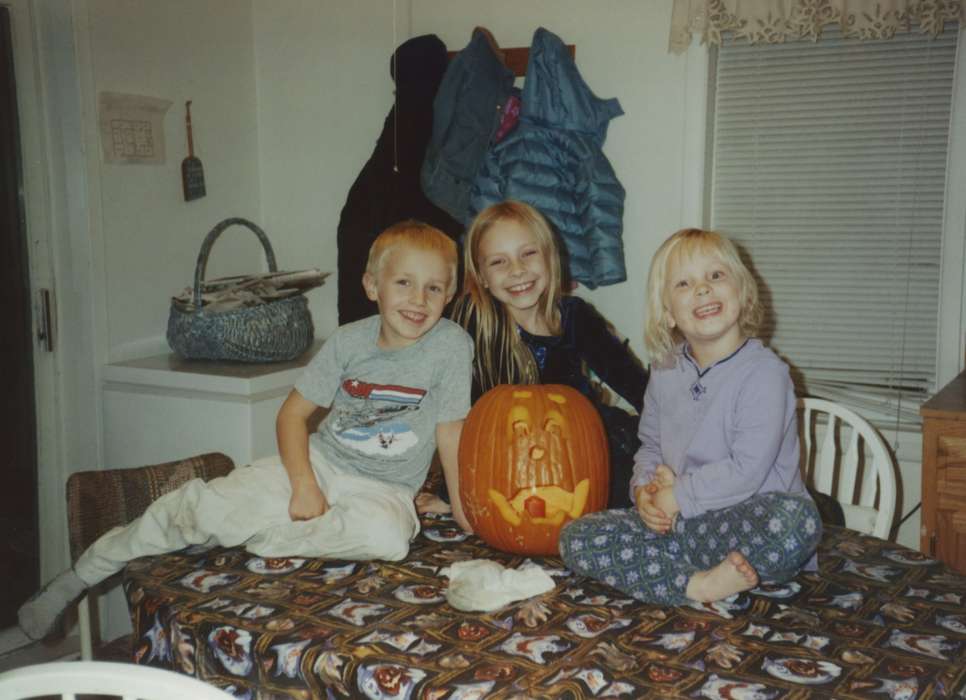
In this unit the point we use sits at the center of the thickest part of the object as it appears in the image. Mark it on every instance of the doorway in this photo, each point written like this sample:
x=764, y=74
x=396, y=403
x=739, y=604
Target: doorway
x=20, y=543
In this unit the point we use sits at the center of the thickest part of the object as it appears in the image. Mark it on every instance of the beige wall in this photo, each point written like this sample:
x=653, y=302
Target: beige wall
x=324, y=90
x=146, y=235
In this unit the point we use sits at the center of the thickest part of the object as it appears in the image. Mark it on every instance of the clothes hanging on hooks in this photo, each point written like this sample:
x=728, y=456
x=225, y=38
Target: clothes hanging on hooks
x=553, y=160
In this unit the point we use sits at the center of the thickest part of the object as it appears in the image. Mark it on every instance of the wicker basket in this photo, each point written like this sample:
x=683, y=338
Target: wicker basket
x=272, y=332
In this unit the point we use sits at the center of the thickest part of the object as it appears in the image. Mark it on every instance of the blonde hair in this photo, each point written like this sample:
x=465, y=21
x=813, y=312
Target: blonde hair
x=501, y=355
x=659, y=338
x=419, y=236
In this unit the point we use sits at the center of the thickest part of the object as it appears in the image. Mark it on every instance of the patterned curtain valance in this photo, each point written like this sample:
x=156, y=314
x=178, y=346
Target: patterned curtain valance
x=775, y=21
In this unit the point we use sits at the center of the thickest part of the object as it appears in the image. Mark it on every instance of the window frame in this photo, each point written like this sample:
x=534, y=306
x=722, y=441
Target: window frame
x=698, y=125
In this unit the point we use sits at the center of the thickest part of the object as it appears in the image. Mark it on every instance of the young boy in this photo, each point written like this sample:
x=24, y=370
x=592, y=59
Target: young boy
x=397, y=385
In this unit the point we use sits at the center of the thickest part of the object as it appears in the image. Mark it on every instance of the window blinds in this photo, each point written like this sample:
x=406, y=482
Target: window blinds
x=828, y=168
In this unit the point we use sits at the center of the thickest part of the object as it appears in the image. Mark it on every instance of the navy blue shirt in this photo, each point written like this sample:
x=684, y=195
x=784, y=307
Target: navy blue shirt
x=586, y=341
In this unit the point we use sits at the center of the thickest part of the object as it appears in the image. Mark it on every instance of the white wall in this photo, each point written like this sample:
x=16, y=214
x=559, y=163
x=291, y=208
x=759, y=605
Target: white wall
x=146, y=236
x=324, y=91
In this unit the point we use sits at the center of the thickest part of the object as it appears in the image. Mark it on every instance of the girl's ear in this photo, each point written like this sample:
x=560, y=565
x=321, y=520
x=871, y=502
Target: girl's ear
x=668, y=318
x=371, y=287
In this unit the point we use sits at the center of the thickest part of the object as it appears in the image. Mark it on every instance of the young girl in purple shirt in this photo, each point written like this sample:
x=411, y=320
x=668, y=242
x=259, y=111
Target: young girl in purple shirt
x=720, y=503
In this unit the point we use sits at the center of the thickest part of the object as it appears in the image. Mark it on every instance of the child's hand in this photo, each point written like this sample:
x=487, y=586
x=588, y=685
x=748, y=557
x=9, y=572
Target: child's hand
x=655, y=500
x=431, y=503
x=653, y=517
x=663, y=496
x=664, y=500
x=307, y=502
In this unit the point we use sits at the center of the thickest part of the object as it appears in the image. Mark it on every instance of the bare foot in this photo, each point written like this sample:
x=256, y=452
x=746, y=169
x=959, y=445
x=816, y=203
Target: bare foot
x=733, y=575
x=431, y=503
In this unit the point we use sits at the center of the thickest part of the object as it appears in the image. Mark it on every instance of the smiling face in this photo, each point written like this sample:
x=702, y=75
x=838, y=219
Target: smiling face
x=411, y=288
x=514, y=269
x=702, y=298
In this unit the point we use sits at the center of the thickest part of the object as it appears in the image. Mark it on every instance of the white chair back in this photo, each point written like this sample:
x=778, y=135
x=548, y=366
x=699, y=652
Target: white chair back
x=844, y=457
x=68, y=679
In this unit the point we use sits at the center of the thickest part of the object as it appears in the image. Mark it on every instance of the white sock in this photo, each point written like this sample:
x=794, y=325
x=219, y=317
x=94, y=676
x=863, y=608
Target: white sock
x=39, y=615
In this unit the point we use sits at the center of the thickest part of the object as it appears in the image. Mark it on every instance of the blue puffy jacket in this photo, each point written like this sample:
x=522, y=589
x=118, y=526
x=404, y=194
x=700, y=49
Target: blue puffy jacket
x=553, y=161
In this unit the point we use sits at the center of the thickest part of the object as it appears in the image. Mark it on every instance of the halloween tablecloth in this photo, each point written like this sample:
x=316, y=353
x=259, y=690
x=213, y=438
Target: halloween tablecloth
x=877, y=621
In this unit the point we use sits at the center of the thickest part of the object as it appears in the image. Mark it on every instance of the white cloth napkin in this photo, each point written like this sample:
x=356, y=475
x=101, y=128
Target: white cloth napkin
x=481, y=584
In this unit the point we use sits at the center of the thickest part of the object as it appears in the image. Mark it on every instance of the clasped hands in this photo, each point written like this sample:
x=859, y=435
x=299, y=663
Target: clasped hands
x=655, y=500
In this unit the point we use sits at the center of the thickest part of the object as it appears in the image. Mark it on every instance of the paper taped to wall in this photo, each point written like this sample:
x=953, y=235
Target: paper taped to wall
x=132, y=128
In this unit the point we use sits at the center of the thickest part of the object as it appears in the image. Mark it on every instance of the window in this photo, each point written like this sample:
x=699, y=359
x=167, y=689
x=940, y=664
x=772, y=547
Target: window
x=828, y=168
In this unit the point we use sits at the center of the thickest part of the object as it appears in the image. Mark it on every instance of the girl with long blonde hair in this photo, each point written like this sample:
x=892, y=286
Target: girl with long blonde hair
x=527, y=331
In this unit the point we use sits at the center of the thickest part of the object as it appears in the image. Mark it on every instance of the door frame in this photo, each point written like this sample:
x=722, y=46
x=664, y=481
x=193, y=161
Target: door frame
x=36, y=205
x=35, y=209
x=53, y=72
x=57, y=205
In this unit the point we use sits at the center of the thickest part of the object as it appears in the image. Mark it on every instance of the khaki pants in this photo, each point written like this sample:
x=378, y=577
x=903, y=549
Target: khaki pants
x=367, y=519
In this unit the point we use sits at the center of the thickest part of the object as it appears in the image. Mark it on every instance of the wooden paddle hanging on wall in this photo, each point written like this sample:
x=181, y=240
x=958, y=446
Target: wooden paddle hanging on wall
x=192, y=174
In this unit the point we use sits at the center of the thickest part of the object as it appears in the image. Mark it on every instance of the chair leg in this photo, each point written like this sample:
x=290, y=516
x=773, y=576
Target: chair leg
x=84, y=625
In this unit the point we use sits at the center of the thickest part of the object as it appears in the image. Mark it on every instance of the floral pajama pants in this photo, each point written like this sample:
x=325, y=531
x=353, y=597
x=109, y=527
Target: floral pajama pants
x=776, y=532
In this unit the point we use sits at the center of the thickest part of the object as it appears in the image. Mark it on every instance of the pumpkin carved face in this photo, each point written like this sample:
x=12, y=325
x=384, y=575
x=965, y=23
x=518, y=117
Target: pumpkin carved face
x=532, y=457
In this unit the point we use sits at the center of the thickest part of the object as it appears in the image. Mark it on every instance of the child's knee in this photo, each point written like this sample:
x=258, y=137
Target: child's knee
x=569, y=555
x=795, y=528
x=390, y=545
x=802, y=516
x=570, y=532
x=573, y=540
x=389, y=533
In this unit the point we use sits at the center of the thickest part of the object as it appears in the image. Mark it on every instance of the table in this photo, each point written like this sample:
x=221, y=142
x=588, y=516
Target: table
x=879, y=620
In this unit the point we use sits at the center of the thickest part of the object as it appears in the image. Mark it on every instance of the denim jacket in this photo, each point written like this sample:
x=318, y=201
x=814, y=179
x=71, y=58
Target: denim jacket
x=467, y=110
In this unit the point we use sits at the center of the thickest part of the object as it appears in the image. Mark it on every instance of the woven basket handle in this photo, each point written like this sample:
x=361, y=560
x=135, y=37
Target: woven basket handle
x=210, y=241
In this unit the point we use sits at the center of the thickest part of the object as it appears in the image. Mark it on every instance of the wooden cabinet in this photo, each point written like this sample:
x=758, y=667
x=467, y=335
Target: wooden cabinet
x=943, y=532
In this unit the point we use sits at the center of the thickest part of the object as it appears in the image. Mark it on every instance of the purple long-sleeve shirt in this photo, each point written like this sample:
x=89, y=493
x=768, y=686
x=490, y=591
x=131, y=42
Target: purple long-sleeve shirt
x=728, y=432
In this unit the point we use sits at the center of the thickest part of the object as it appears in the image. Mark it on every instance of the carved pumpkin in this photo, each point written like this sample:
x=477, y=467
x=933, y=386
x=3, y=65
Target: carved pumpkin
x=532, y=457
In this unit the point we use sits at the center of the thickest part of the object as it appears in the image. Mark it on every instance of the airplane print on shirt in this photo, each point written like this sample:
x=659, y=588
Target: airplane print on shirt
x=373, y=424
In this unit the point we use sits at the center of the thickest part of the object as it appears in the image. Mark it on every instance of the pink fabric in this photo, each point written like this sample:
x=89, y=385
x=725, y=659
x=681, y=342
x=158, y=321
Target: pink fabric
x=511, y=115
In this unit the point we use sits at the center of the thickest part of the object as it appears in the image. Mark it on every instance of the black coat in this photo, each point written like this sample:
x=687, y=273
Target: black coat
x=387, y=190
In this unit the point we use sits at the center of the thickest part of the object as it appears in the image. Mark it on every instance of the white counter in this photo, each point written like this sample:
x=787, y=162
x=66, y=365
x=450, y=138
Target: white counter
x=162, y=408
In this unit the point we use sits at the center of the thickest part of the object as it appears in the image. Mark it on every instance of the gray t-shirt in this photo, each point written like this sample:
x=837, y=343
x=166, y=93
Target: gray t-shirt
x=385, y=404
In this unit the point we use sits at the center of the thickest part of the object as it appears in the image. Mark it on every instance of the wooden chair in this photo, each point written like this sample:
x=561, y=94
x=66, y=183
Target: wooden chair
x=67, y=679
x=98, y=501
x=844, y=457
